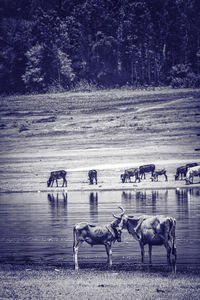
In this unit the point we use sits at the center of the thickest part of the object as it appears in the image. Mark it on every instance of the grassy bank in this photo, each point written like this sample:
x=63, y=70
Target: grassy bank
x=28, y=282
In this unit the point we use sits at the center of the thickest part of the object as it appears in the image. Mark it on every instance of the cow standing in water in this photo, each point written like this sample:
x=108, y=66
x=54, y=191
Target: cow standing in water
x=92, y=174
x=146, y=169
x=55, y=175
x=151, y=230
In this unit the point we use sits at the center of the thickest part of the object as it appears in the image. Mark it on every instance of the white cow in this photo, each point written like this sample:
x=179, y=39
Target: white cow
x=191, y=172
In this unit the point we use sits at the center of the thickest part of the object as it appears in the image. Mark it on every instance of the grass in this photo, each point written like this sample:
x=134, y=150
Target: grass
x=28, y=282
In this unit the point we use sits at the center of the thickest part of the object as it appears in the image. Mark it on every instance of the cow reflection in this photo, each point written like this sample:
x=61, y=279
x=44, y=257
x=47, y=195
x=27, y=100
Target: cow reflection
x=93, y=206
x=58, y=203
x=143, y=199
x=182, y=197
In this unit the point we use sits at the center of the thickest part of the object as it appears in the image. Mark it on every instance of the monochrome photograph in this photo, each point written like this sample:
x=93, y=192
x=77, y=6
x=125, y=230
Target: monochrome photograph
x=100, y=149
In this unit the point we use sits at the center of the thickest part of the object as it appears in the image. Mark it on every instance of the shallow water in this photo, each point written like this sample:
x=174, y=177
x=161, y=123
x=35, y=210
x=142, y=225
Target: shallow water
x=37, y=228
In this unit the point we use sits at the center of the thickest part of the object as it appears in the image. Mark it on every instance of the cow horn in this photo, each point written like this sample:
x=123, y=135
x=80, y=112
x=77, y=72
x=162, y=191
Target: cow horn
x=118, y=217
x=123, y=211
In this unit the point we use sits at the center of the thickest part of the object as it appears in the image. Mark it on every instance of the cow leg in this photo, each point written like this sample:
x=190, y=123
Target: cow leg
x=166, y=178
x=75, y=251
x=109, y=254
x=52, y=182
x=150, y=254
x=142, y=251
x=64, y=182
x=56, y=182
x=168, y=248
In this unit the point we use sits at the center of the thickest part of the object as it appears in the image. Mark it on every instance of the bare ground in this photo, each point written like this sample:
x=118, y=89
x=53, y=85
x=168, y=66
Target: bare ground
x=105, y=130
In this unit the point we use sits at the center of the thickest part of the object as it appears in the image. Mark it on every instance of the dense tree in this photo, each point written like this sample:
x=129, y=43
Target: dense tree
x=108, y=43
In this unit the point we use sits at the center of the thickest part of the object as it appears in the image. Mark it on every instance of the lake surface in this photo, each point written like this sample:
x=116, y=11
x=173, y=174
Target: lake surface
x=37, y=228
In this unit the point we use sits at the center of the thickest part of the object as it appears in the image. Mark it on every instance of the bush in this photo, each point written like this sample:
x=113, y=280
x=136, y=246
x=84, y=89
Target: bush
x=182, y=76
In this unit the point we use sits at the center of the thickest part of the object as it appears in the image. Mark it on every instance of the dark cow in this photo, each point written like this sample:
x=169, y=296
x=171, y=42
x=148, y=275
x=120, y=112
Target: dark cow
x=92, y=174
x=151, y=230
x=194, y=171
x=55, y=175
x=159, y=173
x=96, y=235
x=130, y=173
x=146, y=169
x=191, y=165
x=180, y=172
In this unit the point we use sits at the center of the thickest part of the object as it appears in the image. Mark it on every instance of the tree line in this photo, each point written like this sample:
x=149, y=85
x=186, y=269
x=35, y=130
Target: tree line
x=59, y=45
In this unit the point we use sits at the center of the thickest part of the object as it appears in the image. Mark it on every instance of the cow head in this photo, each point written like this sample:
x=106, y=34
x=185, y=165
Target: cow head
x=123, y=177
x=122, y=218
x=49, y=182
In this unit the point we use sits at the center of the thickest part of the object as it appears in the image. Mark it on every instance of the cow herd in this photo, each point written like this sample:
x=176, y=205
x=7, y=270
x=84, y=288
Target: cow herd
x=186, y=172
x=147, y=230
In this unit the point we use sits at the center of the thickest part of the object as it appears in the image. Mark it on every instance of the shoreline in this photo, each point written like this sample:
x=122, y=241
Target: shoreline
x=102, y=186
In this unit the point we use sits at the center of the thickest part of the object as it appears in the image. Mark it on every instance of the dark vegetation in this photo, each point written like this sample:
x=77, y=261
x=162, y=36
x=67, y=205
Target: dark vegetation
x=49, y=46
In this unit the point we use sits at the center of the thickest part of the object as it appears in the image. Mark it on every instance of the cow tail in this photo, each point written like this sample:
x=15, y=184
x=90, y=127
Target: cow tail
x=173, y=236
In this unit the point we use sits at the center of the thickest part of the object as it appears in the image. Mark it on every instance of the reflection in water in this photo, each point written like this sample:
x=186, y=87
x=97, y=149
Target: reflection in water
x=38, y=227
x=58, y=204
x=144, y=199
x=182, y=198
x=93, y=206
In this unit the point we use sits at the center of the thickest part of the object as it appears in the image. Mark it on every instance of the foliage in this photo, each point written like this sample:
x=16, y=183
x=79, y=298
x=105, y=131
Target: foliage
x=105, y=43
x=182, y=76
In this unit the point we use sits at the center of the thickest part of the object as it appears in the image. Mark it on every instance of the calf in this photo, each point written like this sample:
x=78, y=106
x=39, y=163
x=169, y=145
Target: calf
x=146, y=169
x=55, y=175
x=92, y=174
x=159, y=173
x=96, y=235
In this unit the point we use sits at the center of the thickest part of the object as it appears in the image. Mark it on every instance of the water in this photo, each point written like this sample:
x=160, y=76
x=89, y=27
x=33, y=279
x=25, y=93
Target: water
x=37, y=228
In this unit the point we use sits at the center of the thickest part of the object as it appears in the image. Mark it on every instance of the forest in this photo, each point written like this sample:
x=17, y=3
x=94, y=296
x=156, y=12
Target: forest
x=49, y=46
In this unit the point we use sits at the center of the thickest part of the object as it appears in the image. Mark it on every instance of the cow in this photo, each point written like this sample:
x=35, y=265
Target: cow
x=55, y=175
x=191, y=165
x=159, y=173
x=146, y=169
x=92, y=175
x=194, y=171
x=96, y=235
x=151, y=230
x=180, y=172
x=130, y=173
